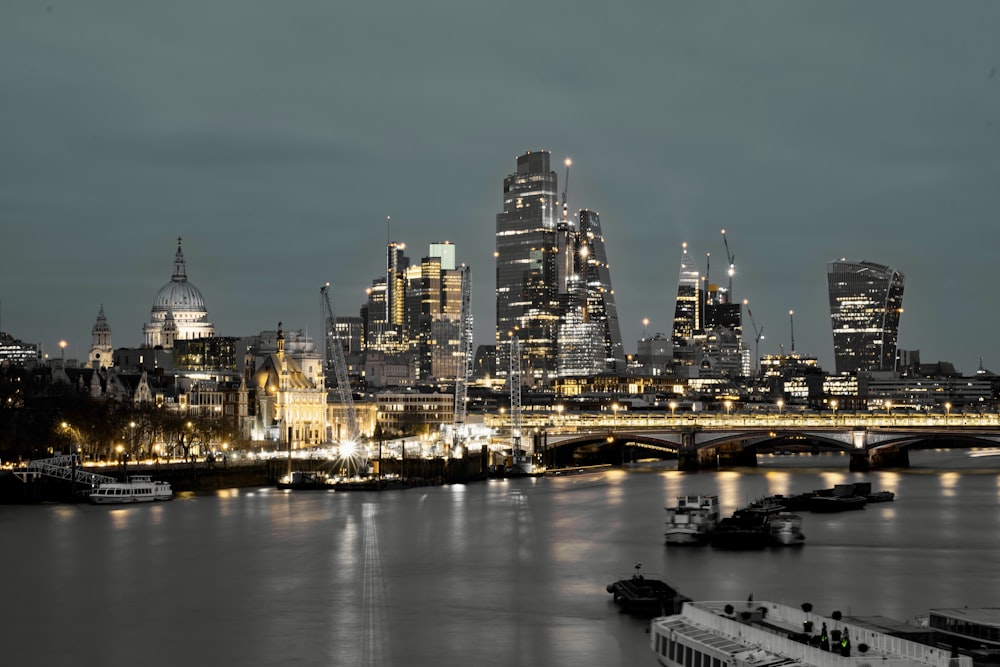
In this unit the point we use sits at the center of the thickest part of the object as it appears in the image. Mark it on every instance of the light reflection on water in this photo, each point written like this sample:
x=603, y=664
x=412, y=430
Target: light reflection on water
x=493, y=573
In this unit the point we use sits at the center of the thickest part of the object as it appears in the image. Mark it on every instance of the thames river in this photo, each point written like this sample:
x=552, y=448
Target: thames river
x=491, y=573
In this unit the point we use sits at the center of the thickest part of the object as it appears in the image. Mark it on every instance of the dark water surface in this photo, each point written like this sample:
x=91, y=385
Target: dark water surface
x=492, y=573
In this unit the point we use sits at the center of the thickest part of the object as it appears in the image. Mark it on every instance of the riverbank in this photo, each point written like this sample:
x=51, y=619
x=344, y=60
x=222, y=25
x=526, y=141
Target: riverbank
x=206, y=477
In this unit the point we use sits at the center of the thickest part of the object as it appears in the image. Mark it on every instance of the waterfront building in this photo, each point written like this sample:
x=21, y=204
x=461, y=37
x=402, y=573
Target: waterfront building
x=290, y=398
x=101, y=352
x=866, y=301
x=178, y=311
x=412, y=412
x=527, y=294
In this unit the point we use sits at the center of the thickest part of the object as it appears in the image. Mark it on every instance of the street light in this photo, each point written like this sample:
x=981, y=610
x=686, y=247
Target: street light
x=614, y=409
x=781, y=404
x=947, y=412
x=729, y=406
x=673, y=406
x=888, y=408
x=833, y=404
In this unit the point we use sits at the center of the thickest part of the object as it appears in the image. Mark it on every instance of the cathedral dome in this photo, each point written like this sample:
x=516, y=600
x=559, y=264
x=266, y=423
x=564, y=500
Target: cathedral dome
x=179, y=295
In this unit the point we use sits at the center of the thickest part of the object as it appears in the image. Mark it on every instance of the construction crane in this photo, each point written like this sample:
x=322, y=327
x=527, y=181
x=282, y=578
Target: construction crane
x=565, y=206
x=732, y=264
x=758, y=335
x=465, y=367
x=335, y=358
x=515, y=397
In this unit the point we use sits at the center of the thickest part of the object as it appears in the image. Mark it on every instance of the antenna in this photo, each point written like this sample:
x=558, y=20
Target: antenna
x=568, y=163
x=791, y=320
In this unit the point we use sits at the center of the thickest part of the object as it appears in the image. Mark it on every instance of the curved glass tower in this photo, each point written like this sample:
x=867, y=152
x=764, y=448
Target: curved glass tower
x=866, y=301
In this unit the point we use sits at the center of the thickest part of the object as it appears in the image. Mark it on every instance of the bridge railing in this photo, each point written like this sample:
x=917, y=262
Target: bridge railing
x=775, y=421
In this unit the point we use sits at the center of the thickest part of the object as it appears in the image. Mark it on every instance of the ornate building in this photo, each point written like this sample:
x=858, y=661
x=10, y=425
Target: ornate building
x=178, y=311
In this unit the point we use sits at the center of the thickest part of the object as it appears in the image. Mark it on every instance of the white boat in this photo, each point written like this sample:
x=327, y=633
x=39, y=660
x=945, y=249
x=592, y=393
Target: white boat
x=785, y=529
x=692, y=520
x=767, y=634
x=137, y=489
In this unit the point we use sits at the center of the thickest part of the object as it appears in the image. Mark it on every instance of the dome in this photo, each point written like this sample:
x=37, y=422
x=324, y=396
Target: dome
x=179, y=295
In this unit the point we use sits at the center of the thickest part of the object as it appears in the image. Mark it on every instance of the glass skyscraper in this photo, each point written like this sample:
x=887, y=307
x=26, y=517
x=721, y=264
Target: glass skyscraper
x=866, y=301
x=688, y=311
x=527, y=268
x=600, y=309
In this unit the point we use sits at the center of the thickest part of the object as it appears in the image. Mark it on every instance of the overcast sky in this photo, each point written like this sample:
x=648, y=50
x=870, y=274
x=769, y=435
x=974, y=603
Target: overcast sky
x=275, y=138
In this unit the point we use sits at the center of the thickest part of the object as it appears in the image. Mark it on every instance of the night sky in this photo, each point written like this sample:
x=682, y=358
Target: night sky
x=276, y=137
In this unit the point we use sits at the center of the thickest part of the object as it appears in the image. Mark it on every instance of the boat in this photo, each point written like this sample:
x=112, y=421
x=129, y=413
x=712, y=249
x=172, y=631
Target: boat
x=880, y=497
x=304, y=480
x=785, y=529
x=824, y=503
x=745, y=529
x=768, y=634
x=640, y=594
x=135, y=489
x=692, y=520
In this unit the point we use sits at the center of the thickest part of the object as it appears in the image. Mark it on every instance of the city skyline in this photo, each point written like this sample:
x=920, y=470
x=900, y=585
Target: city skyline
x=276, y=152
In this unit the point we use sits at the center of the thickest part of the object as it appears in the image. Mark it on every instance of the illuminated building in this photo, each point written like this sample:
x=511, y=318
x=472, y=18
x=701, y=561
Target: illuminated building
x=16, y=352
x=527, y=275
x=866, y=301
x=101, y=351
x=687, y=312
x=178, y=311
x=591, y=264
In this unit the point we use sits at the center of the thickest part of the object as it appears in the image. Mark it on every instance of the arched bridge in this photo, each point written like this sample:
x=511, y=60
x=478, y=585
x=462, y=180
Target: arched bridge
x=703, y=440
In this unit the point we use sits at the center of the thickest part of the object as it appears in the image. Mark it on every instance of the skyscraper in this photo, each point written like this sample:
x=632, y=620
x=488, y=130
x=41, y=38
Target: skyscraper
x=527, y=288
x=591, y=264
x=687, y=312
x=866, y=301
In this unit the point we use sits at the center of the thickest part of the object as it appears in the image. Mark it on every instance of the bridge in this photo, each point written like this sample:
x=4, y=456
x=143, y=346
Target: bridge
x=708, y=440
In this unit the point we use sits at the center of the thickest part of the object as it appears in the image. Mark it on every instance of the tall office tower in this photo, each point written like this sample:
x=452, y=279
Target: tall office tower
x=687, y=313
x=866, y=301
x=433, y=309
x=527, y=274
x=396, y=265
x=591, y=265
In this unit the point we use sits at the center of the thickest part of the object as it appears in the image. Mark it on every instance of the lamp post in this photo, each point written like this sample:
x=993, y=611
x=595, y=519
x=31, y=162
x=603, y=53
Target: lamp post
x=833, y=406
x=781, y=404
x=888, y=408
x=131, y=426
x=559, y=411
x=729, y=406
x=947, y=412
x=673, y=407
x=614, y=410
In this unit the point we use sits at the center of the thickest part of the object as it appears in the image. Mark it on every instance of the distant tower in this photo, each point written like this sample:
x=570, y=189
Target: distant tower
x=687, y=312
x=100, y=347
x=866, y=301
x=527, y=269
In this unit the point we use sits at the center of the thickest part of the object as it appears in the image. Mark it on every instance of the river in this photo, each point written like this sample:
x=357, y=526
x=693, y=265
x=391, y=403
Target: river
x=490, y=573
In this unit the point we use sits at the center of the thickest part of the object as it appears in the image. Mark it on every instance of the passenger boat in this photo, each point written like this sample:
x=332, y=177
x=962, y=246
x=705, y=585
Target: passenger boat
x=767, y=634
x=640, y=594
x=136, y=489
x=785, y=529
x=692, y=520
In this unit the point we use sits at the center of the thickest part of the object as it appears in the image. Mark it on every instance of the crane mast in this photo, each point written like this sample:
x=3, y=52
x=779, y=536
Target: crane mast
x=465, y=347
x=515, y=397
x=758, y=335
x=732, y=264
x=335, y=358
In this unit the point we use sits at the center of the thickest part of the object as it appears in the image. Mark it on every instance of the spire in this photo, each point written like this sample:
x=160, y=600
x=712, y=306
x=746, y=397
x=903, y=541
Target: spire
x=180, y=273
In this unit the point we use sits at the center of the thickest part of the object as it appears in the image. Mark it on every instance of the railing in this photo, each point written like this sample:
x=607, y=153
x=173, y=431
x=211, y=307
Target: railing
x=770, y=421
x=64, y=467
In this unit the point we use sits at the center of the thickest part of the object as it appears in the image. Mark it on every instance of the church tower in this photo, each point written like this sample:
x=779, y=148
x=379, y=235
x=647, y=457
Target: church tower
x=100, y=347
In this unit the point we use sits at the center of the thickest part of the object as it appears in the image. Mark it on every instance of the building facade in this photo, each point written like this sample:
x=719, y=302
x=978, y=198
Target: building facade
x=866, y=301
